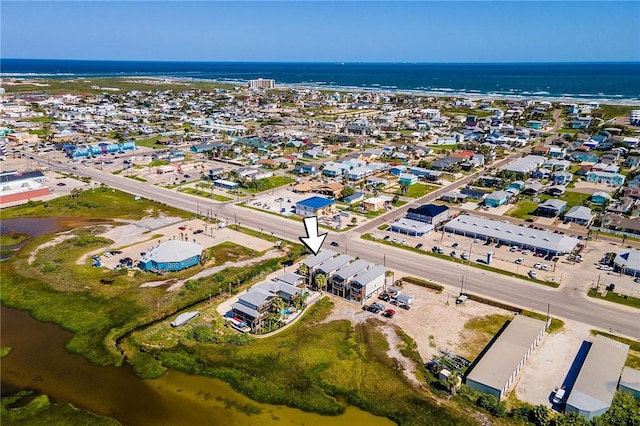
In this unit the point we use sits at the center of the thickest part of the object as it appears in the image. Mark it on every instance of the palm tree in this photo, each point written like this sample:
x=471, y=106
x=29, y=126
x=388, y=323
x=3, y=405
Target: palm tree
x=303, y=270
x=452, y=382
x=321, y=281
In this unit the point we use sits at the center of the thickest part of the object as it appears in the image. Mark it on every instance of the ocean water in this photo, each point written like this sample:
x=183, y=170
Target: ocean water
x=604, y=81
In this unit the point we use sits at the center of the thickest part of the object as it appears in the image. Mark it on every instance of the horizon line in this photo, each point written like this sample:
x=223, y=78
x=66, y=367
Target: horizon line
x=323, y=62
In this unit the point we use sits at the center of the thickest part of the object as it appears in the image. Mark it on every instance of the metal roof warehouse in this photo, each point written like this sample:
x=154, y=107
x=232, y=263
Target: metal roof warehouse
x=497, y=369
x=506, y=233
x=597, y=381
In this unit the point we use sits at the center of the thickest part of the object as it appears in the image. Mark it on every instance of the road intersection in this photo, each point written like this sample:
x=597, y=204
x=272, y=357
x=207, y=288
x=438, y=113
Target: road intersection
x=562, y=303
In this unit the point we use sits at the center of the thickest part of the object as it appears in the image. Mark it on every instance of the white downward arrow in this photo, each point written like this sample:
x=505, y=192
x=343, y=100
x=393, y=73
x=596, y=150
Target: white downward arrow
x=313, y=241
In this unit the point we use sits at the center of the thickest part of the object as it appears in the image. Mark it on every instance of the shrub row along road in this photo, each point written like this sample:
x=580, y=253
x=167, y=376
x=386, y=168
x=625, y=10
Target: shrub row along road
x=573, y=306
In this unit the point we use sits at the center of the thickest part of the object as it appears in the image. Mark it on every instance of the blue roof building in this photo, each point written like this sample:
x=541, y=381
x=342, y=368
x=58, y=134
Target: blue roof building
x=314, y=206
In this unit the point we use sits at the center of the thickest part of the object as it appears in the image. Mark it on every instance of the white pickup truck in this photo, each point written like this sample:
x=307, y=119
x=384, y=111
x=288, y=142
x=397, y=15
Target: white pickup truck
x=558, y=398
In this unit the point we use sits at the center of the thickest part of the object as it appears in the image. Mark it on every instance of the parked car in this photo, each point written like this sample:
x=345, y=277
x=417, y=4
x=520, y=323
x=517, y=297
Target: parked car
x=532, y=274
x=198, y=231
x=611, y=287
x=519, y=261
x=464, y=256
x=384, y=297
x=453, y=253
x=386, y=237
x=107, y=254
x=405, y=306
x=537, y=265
x=419, y=246
x=403, y=242
x=461, y=299
x=605, y=267
x=526, y=252
x=182, y=228
x=116, y=252
x=335, y=244
x=61, y=184
x=544, y=267
x=389, y=313
x=454, y=245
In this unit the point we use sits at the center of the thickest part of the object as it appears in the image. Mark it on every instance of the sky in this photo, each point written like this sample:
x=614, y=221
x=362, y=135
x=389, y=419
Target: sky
x=308, y=31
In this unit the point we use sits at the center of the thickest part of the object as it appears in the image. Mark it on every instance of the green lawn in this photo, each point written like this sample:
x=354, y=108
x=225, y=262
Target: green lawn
x=206, y=194
x=98, y=203
x=418, y=190
x=612, y=296
x=267, y=184
x=524, y=209
x=150, y=142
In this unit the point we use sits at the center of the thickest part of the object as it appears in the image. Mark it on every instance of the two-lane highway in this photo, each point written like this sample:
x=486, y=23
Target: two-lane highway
x=603, y=315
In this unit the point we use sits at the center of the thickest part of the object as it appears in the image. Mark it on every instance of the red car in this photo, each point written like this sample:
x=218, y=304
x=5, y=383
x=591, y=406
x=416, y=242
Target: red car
x=389, y=313
x=182, y=228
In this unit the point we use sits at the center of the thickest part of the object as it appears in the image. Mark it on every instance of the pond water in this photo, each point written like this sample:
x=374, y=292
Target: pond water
x=40, y=362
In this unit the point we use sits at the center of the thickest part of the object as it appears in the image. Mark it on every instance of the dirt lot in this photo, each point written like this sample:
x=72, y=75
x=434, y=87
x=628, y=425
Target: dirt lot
x=547, y=367
x=435, y=322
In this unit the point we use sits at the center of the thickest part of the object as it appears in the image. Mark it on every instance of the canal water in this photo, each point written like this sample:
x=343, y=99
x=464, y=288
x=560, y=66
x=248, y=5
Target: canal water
x=39, y=361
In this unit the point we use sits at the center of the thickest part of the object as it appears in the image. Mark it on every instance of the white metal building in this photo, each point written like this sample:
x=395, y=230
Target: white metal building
x=597, y=381
x=513, y=235
x=496, y=371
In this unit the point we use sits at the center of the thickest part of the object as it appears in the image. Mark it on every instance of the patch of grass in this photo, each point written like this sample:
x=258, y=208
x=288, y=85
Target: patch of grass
x=12, y=239
x=490, y=324
x=367, y=213
x=612, y=296
x=613, y=111
x=310, y=364
x=205, y=194
x=82, y=85
x=524, y=209
x=4, y=351
x=418, y=190
x=40, y=410
x=138, y=178
x=383, y=227
x=479, y=331
x=228, y=251
x=97, y=203
x=149, y=142
x=268, y=183
x=555, y=326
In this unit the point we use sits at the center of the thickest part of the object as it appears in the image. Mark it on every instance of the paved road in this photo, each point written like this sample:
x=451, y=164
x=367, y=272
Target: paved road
x=562, y=303
x=433, y=195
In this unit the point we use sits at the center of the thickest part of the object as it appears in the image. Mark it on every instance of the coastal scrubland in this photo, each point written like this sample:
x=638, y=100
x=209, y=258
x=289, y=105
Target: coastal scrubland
x=26, y=408
x=315, y=366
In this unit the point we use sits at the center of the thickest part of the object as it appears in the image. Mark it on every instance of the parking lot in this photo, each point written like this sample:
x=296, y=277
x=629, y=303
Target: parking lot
x=131, y=240
x=569, y=272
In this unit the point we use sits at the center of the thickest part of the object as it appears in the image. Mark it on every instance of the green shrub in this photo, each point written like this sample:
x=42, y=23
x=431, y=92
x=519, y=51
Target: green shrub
x=146, y=366
x=202, y=333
